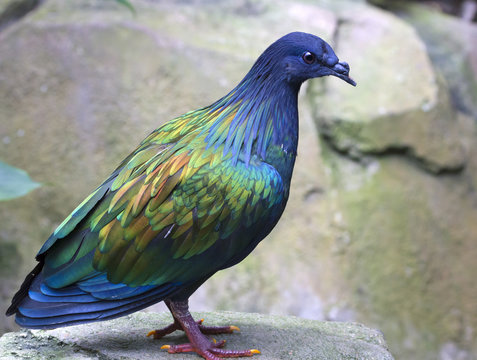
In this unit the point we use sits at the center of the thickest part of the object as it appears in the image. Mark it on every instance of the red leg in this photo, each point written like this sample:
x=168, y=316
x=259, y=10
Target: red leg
x=207, y=330
x=159, y=333
x=198, y=342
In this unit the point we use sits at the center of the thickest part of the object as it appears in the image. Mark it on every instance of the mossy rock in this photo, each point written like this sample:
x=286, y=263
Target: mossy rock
x=277, y=337
x=400, y=103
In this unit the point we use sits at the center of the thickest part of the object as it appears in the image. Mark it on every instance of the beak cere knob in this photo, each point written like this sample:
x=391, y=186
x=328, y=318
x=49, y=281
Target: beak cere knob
x=341, y=70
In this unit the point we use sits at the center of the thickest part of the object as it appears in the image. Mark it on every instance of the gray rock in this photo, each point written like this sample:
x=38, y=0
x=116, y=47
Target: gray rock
x=450, y=42
x=277, y=337
x=400, y=105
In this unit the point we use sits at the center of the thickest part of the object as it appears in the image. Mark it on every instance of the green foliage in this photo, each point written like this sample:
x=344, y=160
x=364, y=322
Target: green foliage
x=14, y=182
x=127, y=4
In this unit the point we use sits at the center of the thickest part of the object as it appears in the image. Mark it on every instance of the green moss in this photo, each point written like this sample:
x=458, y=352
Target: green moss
x=401, y=249
x=449, y=43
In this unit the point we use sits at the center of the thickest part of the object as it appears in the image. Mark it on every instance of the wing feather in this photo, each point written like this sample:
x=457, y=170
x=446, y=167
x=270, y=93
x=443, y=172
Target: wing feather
x=170, y=213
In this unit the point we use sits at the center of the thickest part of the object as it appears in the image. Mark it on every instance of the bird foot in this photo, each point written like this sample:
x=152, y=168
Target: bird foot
x=198, y=342
x=206, y=330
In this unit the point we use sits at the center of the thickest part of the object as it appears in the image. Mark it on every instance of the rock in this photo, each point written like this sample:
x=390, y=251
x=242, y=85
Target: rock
x=277, y=337
x=403, y=252
x=400, y=187
x=450, y=42
x=400, y=105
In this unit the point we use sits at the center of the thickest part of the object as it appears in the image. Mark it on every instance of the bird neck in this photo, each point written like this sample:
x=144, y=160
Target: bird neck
x=259, y=114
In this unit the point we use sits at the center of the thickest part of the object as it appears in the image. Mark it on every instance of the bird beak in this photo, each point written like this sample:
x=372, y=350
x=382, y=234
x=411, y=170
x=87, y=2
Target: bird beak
x=341, y=70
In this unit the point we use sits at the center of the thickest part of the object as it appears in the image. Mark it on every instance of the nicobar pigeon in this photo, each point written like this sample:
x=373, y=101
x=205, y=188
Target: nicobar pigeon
x=195, y=197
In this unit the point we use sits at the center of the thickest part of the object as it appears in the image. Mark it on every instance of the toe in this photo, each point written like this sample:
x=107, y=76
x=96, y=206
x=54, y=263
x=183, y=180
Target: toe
x=234, y=353
x=174, y=349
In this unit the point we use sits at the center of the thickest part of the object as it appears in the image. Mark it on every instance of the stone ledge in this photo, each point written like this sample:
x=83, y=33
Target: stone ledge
x=277, y=337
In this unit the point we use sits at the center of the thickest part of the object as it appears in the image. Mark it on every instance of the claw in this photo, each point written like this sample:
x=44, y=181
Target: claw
x=208, y=348
x=221, y=344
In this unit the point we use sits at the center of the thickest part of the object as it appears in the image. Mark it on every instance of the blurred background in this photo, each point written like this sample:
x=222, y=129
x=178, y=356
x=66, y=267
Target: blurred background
x=381, y=226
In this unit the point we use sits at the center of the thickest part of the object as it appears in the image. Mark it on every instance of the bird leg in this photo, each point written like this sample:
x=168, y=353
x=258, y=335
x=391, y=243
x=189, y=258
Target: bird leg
x=199, y=343
x=207, y=330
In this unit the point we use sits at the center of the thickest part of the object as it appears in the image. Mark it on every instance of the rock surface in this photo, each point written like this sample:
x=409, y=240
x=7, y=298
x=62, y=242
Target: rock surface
x=450, y=43
x=277, y=337
x=403, y=108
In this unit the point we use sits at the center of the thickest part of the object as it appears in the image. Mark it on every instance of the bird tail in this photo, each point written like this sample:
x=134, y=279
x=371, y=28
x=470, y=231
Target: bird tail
x=23, y=292
x=38, y=306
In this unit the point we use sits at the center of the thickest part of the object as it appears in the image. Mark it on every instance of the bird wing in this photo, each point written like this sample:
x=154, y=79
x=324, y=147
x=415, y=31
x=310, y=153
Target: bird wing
x=170, y=213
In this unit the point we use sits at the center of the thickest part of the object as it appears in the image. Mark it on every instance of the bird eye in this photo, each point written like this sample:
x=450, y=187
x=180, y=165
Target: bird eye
x=308, y=57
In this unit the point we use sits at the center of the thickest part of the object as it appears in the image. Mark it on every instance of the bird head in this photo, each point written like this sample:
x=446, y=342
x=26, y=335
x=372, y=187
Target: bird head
x=300, y=56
